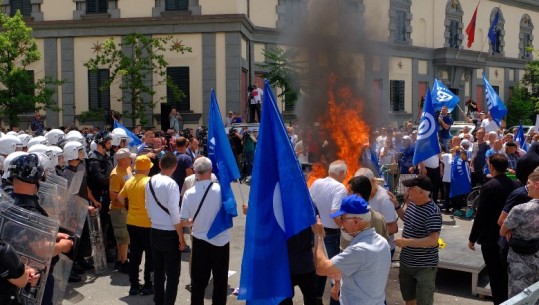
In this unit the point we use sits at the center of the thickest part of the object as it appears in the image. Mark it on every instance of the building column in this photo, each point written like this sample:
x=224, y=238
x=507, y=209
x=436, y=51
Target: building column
x=68, y=76
x=50, y=57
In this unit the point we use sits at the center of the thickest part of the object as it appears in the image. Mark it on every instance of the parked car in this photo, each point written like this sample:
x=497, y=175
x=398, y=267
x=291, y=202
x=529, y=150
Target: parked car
x=527, y=129
x=458, y=126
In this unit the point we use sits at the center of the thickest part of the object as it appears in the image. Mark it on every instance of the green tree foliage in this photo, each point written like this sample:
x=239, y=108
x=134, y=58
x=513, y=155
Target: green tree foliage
x=132, y=63
x=283, y=71
x=520, y=107
x=19, y=93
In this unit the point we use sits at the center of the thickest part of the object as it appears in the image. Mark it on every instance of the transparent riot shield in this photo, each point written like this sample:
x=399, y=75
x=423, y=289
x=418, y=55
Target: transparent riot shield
x=48, y=194
x=96, y=239
x=72, y=224
x=33, y=236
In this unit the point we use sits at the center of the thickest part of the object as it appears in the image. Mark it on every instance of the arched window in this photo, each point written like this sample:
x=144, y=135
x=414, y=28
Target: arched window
x=525, y=44
x=498, y=46
x=453, y=24
x=400, y=16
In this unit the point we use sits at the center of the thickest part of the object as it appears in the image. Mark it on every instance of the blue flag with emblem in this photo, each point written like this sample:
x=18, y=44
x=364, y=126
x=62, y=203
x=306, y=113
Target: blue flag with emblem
x=441, y=96
x=279, y=207
x=496, y=107
x=521, y=139
x=135, y=141
x=427, y=144
x=492, y=31
x=224, y=166
x=460, y=178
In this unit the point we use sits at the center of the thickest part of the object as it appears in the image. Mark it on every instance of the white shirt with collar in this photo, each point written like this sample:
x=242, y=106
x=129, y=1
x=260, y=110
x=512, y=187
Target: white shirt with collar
x=167, y=192
x=208, y=211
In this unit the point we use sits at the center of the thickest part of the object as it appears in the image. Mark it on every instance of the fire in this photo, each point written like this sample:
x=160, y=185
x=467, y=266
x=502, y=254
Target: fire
x=346, y=127
x=319, y=170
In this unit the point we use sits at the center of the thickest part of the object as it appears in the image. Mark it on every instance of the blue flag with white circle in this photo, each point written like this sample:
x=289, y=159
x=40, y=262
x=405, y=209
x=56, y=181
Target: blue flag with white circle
x=460, y=178
x=496, y=107
x=427, y=144
x=441, y=96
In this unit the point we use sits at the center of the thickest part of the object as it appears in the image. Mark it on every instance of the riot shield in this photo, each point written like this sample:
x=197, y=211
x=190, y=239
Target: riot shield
x=48, y=194
x=72, y=224
x=96, y=239
x=33, y=236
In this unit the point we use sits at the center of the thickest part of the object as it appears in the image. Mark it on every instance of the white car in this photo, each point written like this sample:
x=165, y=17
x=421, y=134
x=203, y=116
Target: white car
x=457, y=128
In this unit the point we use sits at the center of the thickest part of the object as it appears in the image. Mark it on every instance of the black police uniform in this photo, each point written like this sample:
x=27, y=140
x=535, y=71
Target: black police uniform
x=11, y=267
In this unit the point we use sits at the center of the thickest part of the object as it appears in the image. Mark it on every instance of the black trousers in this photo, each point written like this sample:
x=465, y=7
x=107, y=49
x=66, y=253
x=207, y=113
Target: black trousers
x=209, y=259
x=140, y=242
x=436, y=179
x=166, y=265
x=307, y=284
x=252, y=109
x=497, y=272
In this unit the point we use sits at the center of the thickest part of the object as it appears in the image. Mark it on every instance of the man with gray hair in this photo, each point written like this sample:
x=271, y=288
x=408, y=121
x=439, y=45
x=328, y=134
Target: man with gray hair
x=380, y=202
x=327, y=194
x=200, y=206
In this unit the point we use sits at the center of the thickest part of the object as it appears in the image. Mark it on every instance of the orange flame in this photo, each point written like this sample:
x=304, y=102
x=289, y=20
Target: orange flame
x=319, y=170
x=347, y=129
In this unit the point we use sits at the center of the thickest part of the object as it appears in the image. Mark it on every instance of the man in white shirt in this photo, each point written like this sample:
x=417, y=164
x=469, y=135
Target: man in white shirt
x=209, y=256
x=327, y=194
x=381, y=203
x=255, y=102
x=166, y=235
x=489, y=124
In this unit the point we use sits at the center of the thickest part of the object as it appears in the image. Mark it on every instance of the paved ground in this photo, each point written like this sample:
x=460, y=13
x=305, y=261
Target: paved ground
x=112, y=288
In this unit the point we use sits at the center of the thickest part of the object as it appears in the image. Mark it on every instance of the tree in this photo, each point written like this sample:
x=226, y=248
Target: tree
x=131, y=63
x=19, y=92
x=520, y=107
x=283, y=71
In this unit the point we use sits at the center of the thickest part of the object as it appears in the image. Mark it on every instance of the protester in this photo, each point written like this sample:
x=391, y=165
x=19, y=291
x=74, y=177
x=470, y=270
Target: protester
x=419, y=242
x=184, y=162
x=445, y=121
x=364, y=265
x=176, y=121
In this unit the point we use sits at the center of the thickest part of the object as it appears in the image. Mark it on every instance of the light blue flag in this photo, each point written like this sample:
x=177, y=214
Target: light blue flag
x=492, y=30
x=427, y=144
x=279, y=207
x=520, y=138
x=224, y=166
x=460, y=178
x=441, y=96
x=495, y=105
x=135, y=141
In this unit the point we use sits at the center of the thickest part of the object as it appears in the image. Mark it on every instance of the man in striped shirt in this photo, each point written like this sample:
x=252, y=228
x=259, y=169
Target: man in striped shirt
x=419, y=243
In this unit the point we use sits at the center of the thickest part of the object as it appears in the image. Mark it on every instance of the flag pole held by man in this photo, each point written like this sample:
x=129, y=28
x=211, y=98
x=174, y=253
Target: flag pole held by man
x=427, y=144
x=279, y=207
x=224, y=167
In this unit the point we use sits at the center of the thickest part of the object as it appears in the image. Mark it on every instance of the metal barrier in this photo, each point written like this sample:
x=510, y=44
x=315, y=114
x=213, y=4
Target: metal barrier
x=529, y=296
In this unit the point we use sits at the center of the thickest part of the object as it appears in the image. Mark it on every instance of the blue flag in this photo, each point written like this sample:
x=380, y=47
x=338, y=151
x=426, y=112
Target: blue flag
x=495, y=105
x=427, y=144
x=135, y=141
x=279, y=207
x=441, y=96
x=224, y=167
x=520, y=138
x=492, y=30
x=460, y=178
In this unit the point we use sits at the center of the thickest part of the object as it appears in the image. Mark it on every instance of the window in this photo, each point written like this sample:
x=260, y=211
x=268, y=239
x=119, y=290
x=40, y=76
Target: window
x=176, y=5
x=397, y=95
x=526, y=39
x=20, y=5
x=291, y=13
x=498, y=46
x=400, y=34
x=400, y=16
x=180, y=77
x=454, y=34
x=453, y=24
x=98, y=93
x=96, y=6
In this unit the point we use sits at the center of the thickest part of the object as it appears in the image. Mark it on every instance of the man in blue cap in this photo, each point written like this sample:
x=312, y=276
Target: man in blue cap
x=364, y=265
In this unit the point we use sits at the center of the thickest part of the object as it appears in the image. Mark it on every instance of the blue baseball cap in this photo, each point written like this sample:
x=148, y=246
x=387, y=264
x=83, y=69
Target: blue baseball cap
x=352, y=204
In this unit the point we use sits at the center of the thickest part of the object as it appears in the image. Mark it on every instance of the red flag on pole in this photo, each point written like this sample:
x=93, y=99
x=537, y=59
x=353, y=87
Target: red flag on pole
x=470, y=30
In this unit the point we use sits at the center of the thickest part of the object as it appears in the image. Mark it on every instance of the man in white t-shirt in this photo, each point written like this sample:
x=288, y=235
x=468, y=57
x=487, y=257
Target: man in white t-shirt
x=327, y=194
x=489, y=124
x=209, y=256
x=381, y=203
x=166, y=235
x=255, y=102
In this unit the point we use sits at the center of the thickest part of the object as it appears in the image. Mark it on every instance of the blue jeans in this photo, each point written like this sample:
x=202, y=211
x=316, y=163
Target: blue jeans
x=332, y=242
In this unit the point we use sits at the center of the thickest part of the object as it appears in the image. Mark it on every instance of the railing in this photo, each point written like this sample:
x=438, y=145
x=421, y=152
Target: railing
x=529, y=296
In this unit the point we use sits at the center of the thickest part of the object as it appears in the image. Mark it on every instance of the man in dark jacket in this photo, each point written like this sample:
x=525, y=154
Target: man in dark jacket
x=485, y=229
x=527, y=163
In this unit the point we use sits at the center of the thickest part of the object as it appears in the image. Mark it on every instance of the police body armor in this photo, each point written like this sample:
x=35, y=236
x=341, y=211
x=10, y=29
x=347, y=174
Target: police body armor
x=33, y=236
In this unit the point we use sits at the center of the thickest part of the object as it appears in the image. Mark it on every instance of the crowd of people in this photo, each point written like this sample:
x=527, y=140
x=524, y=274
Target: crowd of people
x=149, y=196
